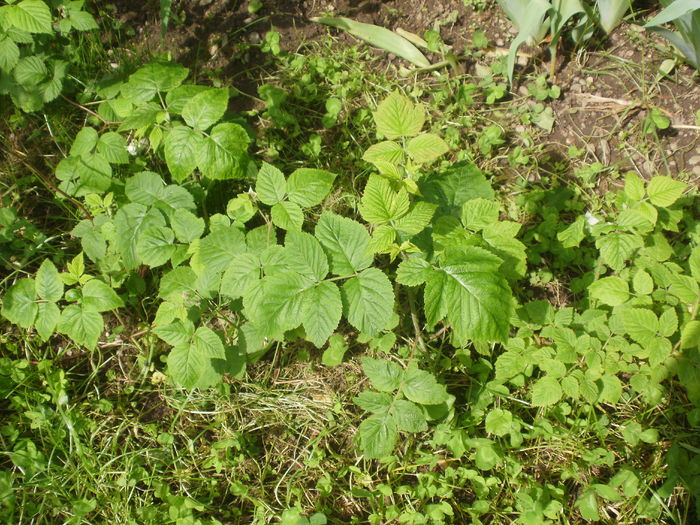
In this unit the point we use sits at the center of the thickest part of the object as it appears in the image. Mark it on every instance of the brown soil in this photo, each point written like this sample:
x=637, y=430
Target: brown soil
x=606, y=89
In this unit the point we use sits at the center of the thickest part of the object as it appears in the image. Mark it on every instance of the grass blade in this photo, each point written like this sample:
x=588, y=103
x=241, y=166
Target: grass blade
x=378, y=37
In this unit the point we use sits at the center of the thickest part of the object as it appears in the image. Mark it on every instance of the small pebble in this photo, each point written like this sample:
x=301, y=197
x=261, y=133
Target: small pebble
x=500, y=42
x=523, y=91
x=254, y=38
x=695, y=159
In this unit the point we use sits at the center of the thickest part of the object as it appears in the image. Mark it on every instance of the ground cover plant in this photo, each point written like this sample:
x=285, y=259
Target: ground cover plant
x=327, y=287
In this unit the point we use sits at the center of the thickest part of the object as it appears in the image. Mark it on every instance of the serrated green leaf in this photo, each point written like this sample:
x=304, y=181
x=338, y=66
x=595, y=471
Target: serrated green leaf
x=375, y=402
x=30, y=71
x=99, y=297
x=664, y=191
x=378, y=435
x=408, y=416
x=84, y=142
x=9, y=54
x=573, y=234
x=151, y=79
x=386, y=151
x=641, y=324
x=346, y=241
x=224, y=154
x=418, y=217
x=634, y=187
x=18, y=304
x=413, y=271
x=546, y=391
x=612, y=290
x=668, y=323
x=287, y=215
x=145, y=188
x=82, y=20
x=479, y=213
x=308, y=187
x=684, y=287
x=616, y=248
x=243, y=271
x=611, y=389
x=49, y=285
x=694, y=263
x=48, y=315
x=217, y=249
x=205, y=109
x=380, y=203
x=305, y=255
x=277, y=304
x=83, y=325
x=178, y=97
x=397, y=117
x=659, y=350
x=32, y=16
x=155, y=246
x=499, y=422
x=382, y=240
x=384, y=375
x=690, y=335
x=186, y=225
x=182, y=146
x=333, y=355
x=588, y=506
x=270, y=185
x=176, y=333
x=422, y=387
x=186, y=365
x=321, y=312
x=112, y=146
x=368, y=300
x=642, y=283
x=426, y=147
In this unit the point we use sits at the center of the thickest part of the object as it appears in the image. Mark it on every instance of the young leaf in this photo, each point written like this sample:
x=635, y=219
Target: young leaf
x=205, y=109
x=417, y=218
x=48, y=283
x=380, y=203
x=612, y=290
x=99, y=297
x=664, y=191
x=378, y=436
x=346, y=241
x=426, y=148
x=546, y=391
x=308, y=187
x=83, y=325
x=384, y=375
x=321, y=312
x=397, y=117
x=155, y=246
x=375, y=402
x=18, y=305
x=368, y=300
x=182, y=146
x=270, y=186
x=408, y=416
x=287, y=215
x=422, y=387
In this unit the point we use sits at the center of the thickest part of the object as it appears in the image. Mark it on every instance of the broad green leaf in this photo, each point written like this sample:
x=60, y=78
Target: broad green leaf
x=84, y=142
x=546, y=391
x=186, y=365
x=479, y=213
x=452, y=188
x=223, y=155
x=205, y=109
x=384, y=375
x=380, y=203
x=333, y=355
x=368, y=300
x=308, y=187
x=383, y=238
x=499, y=422
x=321, y=312
x=19, y=303
x=642, y=283
x=659, y=350
x=176, y=333
x=611, y=389
x=278, y=303
x=397, y=117
x=130, y=220
x=82, y=20
x=573, y=234
x=690, y=335
x=418, y=217
x=612, y=291
x=178, y=97
x=378, y=37
x=387, y=151
x=668, y=323
x=181, y=147
x=616, y=248
x=422, y=387
x=641, y=324
x=153, y=78
x=684, y=287
x=375, y=402
x=287, y=215
x=378, y=435
x=49, y=285
x=611, y=12
x=694, y=263
x=9, y=54
x=48, y=315
x=426, y=148
x=413, y=271
x=346, y=241
x=408, y=416
x=112, y=146
x=186, y=225
x=30, y=71
x=241, y=273
x=99, y=297
x=217, y=250
x=83, y=325
x=664, y=191
x=145, y=188
x=178, y=286
x=305, y=255
x=32, y=16
x=241, y=208
x=634, y=187
x=270, y=185
x=155, y=246
x=587, y=505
